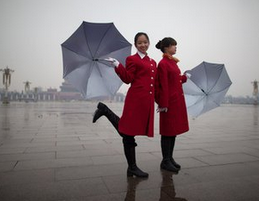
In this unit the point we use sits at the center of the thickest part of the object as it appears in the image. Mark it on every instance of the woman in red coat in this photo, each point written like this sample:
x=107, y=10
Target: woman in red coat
x=138, y=112
x=171, y=102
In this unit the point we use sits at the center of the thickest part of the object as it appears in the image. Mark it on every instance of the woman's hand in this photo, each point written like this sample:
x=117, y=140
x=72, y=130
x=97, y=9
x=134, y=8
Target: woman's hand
x=114, y=62
x=164, y=109
x=187, y=74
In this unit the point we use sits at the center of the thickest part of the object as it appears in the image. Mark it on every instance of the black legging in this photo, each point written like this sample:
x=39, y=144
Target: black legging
x=128, y=140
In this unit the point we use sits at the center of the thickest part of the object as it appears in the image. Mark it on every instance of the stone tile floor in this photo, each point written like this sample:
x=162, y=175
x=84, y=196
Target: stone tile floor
x=53, y=152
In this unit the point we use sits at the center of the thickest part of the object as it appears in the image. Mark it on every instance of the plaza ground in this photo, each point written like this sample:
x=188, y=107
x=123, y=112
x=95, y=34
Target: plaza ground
x=53, y=152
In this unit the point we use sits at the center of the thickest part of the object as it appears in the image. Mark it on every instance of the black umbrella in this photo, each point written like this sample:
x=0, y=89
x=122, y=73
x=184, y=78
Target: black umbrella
x=83, y=58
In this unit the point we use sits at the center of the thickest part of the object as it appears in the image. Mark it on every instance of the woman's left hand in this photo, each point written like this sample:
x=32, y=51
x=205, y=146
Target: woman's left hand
x=164, y=109
x=187, y=74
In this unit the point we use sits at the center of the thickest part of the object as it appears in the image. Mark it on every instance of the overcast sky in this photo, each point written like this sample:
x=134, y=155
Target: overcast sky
x=217, y=31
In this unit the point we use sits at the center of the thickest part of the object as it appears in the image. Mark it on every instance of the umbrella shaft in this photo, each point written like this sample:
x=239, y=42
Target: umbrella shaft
x=204, y=92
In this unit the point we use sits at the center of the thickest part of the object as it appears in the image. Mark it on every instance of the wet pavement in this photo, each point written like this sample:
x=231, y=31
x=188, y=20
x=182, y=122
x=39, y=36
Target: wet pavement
x=53, y=152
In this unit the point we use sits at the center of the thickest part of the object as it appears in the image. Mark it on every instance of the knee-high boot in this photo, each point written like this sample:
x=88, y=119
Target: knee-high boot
x=131, y=159
x=128, y=143
x=166, y=163
x=172, y=152
x=101, y=110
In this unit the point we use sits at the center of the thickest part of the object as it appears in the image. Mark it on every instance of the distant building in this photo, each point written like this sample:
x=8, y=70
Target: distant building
x=67, y=87
x=119, y=97
x=68, y=92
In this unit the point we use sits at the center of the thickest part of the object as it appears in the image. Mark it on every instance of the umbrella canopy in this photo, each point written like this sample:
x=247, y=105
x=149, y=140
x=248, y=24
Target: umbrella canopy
x=83, y=59
x=206, y=88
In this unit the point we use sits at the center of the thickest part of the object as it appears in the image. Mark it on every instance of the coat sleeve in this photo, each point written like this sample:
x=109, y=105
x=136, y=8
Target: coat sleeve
x=127, y=74
x=163, y=100
x=184, y=78
x=157, y=89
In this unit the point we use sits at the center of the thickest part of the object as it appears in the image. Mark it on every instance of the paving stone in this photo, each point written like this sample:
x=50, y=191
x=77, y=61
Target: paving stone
x=52, y=163
x=25, y=156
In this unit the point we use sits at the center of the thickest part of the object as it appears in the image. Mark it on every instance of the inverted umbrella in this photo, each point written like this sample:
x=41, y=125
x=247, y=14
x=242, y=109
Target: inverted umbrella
x=83, y=58
x=206, y=88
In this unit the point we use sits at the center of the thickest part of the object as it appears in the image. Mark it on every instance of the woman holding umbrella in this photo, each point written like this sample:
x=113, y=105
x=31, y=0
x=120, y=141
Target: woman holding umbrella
x=171, y=102
x=138, y=112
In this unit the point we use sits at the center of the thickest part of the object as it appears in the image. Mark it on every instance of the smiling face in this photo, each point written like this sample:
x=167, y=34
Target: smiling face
x=142, y=44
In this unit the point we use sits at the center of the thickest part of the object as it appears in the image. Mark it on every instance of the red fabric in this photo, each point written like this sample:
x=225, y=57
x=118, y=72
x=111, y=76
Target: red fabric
x=169, y=94
x=138, y=112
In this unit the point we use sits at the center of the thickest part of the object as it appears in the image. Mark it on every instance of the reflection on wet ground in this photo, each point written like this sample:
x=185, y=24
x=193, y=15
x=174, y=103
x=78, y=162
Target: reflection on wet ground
x=167, y=189
x=53, y=152
x=255, y=112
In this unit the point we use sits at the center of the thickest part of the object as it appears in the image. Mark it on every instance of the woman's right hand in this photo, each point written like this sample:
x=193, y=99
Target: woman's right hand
x=113, y=61
x=164, y=109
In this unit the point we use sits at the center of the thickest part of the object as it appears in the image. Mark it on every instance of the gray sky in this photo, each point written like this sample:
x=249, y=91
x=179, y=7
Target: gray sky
x=217, y=31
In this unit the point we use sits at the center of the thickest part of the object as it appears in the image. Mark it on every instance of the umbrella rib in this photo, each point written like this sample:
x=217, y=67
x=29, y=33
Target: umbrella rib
x=216, y=82
x=204, y=65
x=88, y=44
x=74, y=51
x=100, y=42
x=198, y=86
x=89, y=74
x=220, y=90
x=99, y=70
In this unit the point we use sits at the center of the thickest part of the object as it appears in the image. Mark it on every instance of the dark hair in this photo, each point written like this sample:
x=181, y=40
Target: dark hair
x=166, y=42
x=140, y=34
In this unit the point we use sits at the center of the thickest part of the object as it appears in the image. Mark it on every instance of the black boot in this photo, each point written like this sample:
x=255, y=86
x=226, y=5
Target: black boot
x=131, y=159
x=166, y=163
x=101, y=110
x=171, y=154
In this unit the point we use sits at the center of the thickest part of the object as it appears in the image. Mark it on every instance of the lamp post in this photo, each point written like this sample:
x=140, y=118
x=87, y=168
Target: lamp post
x=6, y=82
x=35, y=94
x=27, y=90
x=255, y=91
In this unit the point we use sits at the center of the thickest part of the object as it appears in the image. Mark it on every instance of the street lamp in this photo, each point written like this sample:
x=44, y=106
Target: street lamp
x=6, y=82
x=255, y=91
x=27, y=89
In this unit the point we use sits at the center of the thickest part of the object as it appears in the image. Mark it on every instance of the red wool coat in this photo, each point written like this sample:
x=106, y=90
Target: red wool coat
x=169, y=94
x=138, y=112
